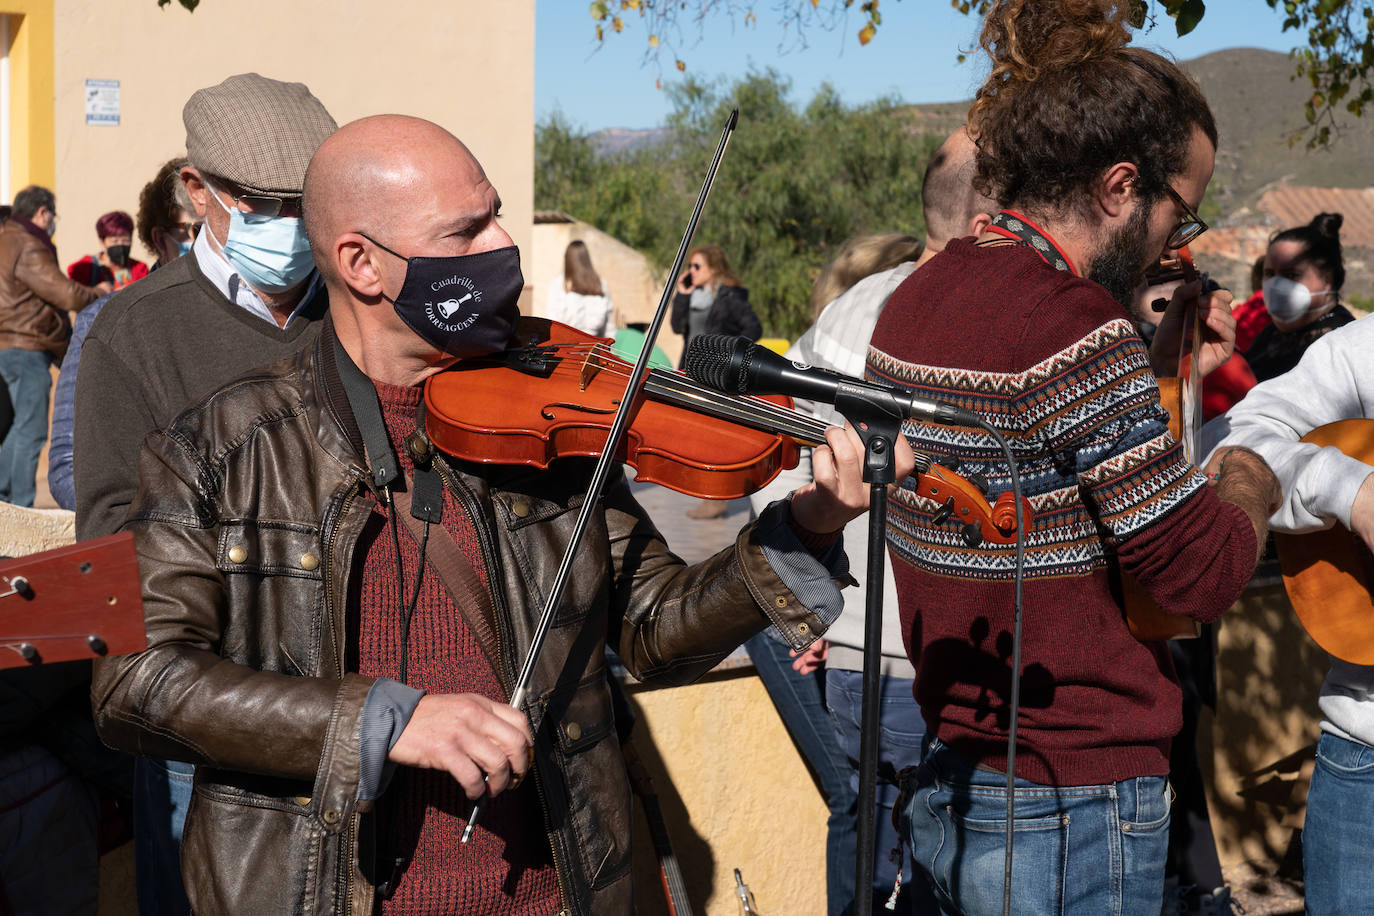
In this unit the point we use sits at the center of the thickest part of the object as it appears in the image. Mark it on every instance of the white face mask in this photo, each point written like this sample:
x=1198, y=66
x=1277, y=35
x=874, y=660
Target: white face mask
x=1288, y=300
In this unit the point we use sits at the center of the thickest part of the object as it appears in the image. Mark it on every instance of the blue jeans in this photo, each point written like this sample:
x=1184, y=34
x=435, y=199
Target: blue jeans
x=26, y=375
x=1090, y=850
x=901, y=730
x=1338, y=837
x=162, y=793
x=800, y=702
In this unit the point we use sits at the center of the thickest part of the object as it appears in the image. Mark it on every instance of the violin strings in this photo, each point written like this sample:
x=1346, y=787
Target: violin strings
x=686, y=392
x=781, y=416
x=771, y=417
x=775, y=416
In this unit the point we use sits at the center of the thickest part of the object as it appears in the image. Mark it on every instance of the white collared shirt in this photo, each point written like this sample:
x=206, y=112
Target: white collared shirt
x=221, y=273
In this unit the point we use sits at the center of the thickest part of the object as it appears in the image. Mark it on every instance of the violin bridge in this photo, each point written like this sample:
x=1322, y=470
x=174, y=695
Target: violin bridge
x=590, y=367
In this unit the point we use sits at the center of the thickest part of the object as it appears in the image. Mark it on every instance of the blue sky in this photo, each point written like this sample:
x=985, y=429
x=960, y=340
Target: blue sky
x=912, y=58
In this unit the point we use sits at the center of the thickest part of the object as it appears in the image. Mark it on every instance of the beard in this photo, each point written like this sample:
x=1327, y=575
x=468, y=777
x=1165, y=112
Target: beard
x=1120, y=266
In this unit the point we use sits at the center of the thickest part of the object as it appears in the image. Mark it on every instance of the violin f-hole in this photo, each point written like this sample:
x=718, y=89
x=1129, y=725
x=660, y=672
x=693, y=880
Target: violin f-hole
x=547, y=411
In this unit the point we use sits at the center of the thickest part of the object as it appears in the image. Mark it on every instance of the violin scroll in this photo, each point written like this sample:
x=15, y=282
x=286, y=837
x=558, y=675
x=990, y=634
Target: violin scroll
x=966, y=503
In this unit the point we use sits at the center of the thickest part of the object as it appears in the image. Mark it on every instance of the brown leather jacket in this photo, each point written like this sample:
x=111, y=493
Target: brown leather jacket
x=245, y=576
x=35, y=295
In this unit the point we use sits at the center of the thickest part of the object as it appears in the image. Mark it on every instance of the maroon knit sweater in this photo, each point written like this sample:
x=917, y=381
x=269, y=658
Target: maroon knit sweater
x=1055, y=364
x=507, y=867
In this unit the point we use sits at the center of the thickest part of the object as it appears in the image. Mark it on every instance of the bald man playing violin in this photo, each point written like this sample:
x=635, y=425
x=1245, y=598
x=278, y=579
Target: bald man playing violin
x=336, y=612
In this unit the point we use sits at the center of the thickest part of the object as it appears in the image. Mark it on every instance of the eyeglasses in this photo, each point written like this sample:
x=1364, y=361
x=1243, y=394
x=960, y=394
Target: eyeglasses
x=1188, y=228
x=696, y=266
x=256, y=204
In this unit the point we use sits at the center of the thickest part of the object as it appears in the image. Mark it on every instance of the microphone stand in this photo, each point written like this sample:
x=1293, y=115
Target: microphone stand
x=879, y=431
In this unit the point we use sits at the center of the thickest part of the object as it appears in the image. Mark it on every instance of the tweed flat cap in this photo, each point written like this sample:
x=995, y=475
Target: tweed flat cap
x=257, y=132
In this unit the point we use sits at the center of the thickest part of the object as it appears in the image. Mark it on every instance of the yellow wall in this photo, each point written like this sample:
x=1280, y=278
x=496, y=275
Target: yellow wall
x=466, y=64
x=31, y=92
x=735, y=794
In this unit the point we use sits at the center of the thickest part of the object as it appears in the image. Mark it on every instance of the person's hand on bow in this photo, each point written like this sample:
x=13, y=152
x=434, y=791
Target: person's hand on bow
x=485, y=746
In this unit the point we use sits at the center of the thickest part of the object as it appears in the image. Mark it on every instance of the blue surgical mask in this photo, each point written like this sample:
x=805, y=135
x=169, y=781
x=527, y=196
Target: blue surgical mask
x=183, y=248
x=271, y=253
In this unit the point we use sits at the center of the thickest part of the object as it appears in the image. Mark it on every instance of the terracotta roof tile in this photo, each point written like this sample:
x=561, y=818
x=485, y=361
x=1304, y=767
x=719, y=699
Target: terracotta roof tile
x=1296, y=205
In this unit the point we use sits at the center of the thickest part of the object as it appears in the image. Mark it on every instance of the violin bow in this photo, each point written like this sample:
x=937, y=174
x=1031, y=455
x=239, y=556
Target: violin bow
x=603, y=464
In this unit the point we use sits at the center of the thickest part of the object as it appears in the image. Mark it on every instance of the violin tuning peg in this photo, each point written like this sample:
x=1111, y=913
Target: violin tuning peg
x=1004, y=514
x=971, y=533
x=943, y=513
x=979, y=481
x=950, y=462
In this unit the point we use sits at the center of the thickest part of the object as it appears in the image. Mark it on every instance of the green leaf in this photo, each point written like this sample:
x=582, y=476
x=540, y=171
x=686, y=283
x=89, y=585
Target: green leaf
x=1189, y=15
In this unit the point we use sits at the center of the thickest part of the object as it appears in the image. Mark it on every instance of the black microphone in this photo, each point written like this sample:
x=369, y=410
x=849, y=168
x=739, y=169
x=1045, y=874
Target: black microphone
x=736, y=366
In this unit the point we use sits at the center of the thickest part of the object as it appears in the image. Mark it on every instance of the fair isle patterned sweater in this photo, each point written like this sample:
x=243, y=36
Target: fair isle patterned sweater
x=1055, y=365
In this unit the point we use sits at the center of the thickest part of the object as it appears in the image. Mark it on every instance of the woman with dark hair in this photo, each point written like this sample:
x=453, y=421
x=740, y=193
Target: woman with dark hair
x=711, y=299
x=1303, y=276
x=578, y=297
x=167, y=223
x=113, y=264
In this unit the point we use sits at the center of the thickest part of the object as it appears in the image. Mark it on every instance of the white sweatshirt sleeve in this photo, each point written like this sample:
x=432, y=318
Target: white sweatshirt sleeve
x=1333, y=382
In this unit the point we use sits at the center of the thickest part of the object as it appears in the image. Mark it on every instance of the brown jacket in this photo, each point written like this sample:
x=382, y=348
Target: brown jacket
x=245, y=577
x=35, y=295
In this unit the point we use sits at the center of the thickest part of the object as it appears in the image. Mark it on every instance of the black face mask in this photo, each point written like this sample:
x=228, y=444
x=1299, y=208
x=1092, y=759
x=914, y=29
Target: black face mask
x=118, y=255
x=465, y=305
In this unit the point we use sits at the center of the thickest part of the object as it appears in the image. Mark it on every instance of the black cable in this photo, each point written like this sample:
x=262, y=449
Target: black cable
x=1015, y=662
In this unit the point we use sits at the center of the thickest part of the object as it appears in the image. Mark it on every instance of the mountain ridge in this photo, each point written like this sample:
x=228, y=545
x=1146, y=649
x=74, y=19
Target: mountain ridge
x=1257, y=105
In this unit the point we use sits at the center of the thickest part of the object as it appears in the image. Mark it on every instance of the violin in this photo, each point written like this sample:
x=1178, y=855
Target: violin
x=554, y=391
x=1181, y=396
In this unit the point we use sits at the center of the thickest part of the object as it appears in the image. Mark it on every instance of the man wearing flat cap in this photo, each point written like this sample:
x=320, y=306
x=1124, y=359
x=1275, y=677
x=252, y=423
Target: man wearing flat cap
x=247, y=295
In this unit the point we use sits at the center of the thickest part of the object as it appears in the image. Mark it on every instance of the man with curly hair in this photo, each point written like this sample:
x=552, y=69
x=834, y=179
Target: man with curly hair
x=1098, y=154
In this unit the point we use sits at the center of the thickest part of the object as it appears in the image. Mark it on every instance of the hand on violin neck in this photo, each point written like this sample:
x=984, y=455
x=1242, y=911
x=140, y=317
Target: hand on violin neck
x=837, y=493
x=1218, y=330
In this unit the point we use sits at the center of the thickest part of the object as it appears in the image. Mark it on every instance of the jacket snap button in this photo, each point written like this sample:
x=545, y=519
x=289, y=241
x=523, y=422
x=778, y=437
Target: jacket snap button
x=417, y=444
x=310, y=562
x=573, y=731
x=780, y=601
x=803, y=629
x=238, y=553
x=521, y=509
x=303, y=800
x=331, y=816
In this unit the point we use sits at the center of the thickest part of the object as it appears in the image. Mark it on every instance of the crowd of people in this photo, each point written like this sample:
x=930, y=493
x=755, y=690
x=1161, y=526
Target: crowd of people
x=324, y=695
